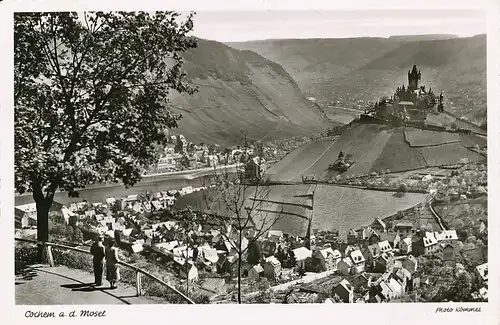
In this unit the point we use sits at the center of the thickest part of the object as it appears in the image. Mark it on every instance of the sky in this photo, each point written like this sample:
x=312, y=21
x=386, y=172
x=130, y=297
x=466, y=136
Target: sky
x=233, y=26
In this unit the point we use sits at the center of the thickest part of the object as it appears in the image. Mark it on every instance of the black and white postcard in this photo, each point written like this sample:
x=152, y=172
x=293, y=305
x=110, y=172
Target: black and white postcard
x=321, y=156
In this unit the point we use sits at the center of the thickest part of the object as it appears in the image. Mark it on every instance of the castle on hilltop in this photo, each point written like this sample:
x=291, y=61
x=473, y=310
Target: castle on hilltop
x=410, y=103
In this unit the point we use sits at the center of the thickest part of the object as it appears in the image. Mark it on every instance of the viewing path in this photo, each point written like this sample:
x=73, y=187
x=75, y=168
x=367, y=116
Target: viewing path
x=60, y=285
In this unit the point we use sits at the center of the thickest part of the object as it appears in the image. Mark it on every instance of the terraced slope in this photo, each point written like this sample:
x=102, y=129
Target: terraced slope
x=375, y=147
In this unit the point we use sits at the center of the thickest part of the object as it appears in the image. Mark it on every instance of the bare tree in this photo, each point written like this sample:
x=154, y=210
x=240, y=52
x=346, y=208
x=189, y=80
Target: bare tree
x=238, y=206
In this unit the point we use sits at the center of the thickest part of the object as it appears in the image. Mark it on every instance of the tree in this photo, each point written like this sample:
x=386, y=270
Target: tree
x=240, y=210
x=90, y=94
x=187, y=221
x=77, y=235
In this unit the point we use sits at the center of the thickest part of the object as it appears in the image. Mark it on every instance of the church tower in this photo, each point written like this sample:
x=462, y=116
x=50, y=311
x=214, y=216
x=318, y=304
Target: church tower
x=414, y=77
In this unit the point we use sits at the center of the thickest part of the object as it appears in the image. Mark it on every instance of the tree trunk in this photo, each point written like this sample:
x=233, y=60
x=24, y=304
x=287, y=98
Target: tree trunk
x=239, y=279
x=187, y=269
x=240, y=256
x=43, y=205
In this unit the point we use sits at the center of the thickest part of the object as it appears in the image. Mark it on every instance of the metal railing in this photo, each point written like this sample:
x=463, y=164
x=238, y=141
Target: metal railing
x=138, y=271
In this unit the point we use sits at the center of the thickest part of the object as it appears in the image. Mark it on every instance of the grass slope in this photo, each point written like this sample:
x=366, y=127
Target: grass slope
x=296, y=163
x=449, y=154
x=361, y=143
x=423, y=138
x=397, y=155
x=240, y=92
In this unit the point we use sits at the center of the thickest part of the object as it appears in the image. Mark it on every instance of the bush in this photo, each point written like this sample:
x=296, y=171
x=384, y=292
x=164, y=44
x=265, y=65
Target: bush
x=403, y=188
x=26, y=253
x=72, y=259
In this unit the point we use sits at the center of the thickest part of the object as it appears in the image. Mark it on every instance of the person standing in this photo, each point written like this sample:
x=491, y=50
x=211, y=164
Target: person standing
x=98, y=252
x=112, y=268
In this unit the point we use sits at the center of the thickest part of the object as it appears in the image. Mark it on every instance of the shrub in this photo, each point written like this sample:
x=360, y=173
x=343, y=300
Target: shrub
x=26, y=253
x=72, y=259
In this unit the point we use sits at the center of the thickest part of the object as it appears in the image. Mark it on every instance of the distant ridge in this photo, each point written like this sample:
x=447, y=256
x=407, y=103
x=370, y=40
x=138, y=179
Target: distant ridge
x=344, y=72
x=423, y=37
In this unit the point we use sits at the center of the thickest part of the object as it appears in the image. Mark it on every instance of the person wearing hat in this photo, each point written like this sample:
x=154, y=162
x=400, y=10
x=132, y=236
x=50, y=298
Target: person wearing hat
x=98, y=252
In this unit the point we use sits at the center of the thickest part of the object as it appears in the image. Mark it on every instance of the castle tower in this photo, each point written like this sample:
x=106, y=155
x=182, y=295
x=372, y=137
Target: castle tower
x=414, y=77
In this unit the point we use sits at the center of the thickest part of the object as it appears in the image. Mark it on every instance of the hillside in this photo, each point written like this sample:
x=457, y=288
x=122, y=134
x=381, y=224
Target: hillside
x=363, y=69
x=374, y=147
x=240, y=92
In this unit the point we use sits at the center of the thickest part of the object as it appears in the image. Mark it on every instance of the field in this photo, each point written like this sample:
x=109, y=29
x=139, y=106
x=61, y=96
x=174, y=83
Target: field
x=298, y=161
x=423, y=138
x=398, y=155
x=361, y=143
x=345, y=208
x=449, y=154
x=470, y=140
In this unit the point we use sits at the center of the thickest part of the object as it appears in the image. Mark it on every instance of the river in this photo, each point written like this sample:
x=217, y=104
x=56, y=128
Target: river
x=99, y=193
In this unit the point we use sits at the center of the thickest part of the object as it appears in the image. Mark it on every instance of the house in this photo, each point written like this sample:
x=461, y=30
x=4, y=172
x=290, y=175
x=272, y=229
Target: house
x=396, y=288
x=483, y=273
x=132, y=197
x=410, y=263
x=275, y=236
x=256, y=272
x=186, y=190
x=448, y=236
x=371, y=253
x=424, y=244
x=344, y=266
x=225, y=263
x=25, y=216
x=209, y=257
x=384, y=246
x=327, y=258
x=352, y=237
x=447, y=251
x=268, y=248
x=385, y=291
x=368, y=236
x=358, y=262
x=301, y=254
x=405, y=278
x=405, y=246
x=393, y=238
x=384, y=263
x=272, y=268
x=378, y=225
x=344, y=291
x=190, y=272
x=168, y=246
x=362, y=280
x=404, y=227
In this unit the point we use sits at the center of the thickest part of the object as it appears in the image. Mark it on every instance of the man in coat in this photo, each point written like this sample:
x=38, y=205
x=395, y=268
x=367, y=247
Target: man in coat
x=98, y=252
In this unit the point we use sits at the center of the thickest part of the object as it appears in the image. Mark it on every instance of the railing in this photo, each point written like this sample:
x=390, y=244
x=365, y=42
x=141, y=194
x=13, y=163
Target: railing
x=138, y=271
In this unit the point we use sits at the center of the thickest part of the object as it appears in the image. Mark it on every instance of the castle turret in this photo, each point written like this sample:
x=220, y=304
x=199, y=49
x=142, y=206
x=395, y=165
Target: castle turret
x=414, y=76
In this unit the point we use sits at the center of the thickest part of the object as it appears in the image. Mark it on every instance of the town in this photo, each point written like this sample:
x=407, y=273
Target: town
x=186, y=170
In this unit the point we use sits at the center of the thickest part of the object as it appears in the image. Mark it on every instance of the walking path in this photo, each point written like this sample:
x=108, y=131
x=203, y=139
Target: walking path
x=44, y=285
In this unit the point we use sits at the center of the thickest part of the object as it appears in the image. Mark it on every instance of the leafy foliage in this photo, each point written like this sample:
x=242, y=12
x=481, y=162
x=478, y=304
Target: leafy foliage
x=90, y=91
